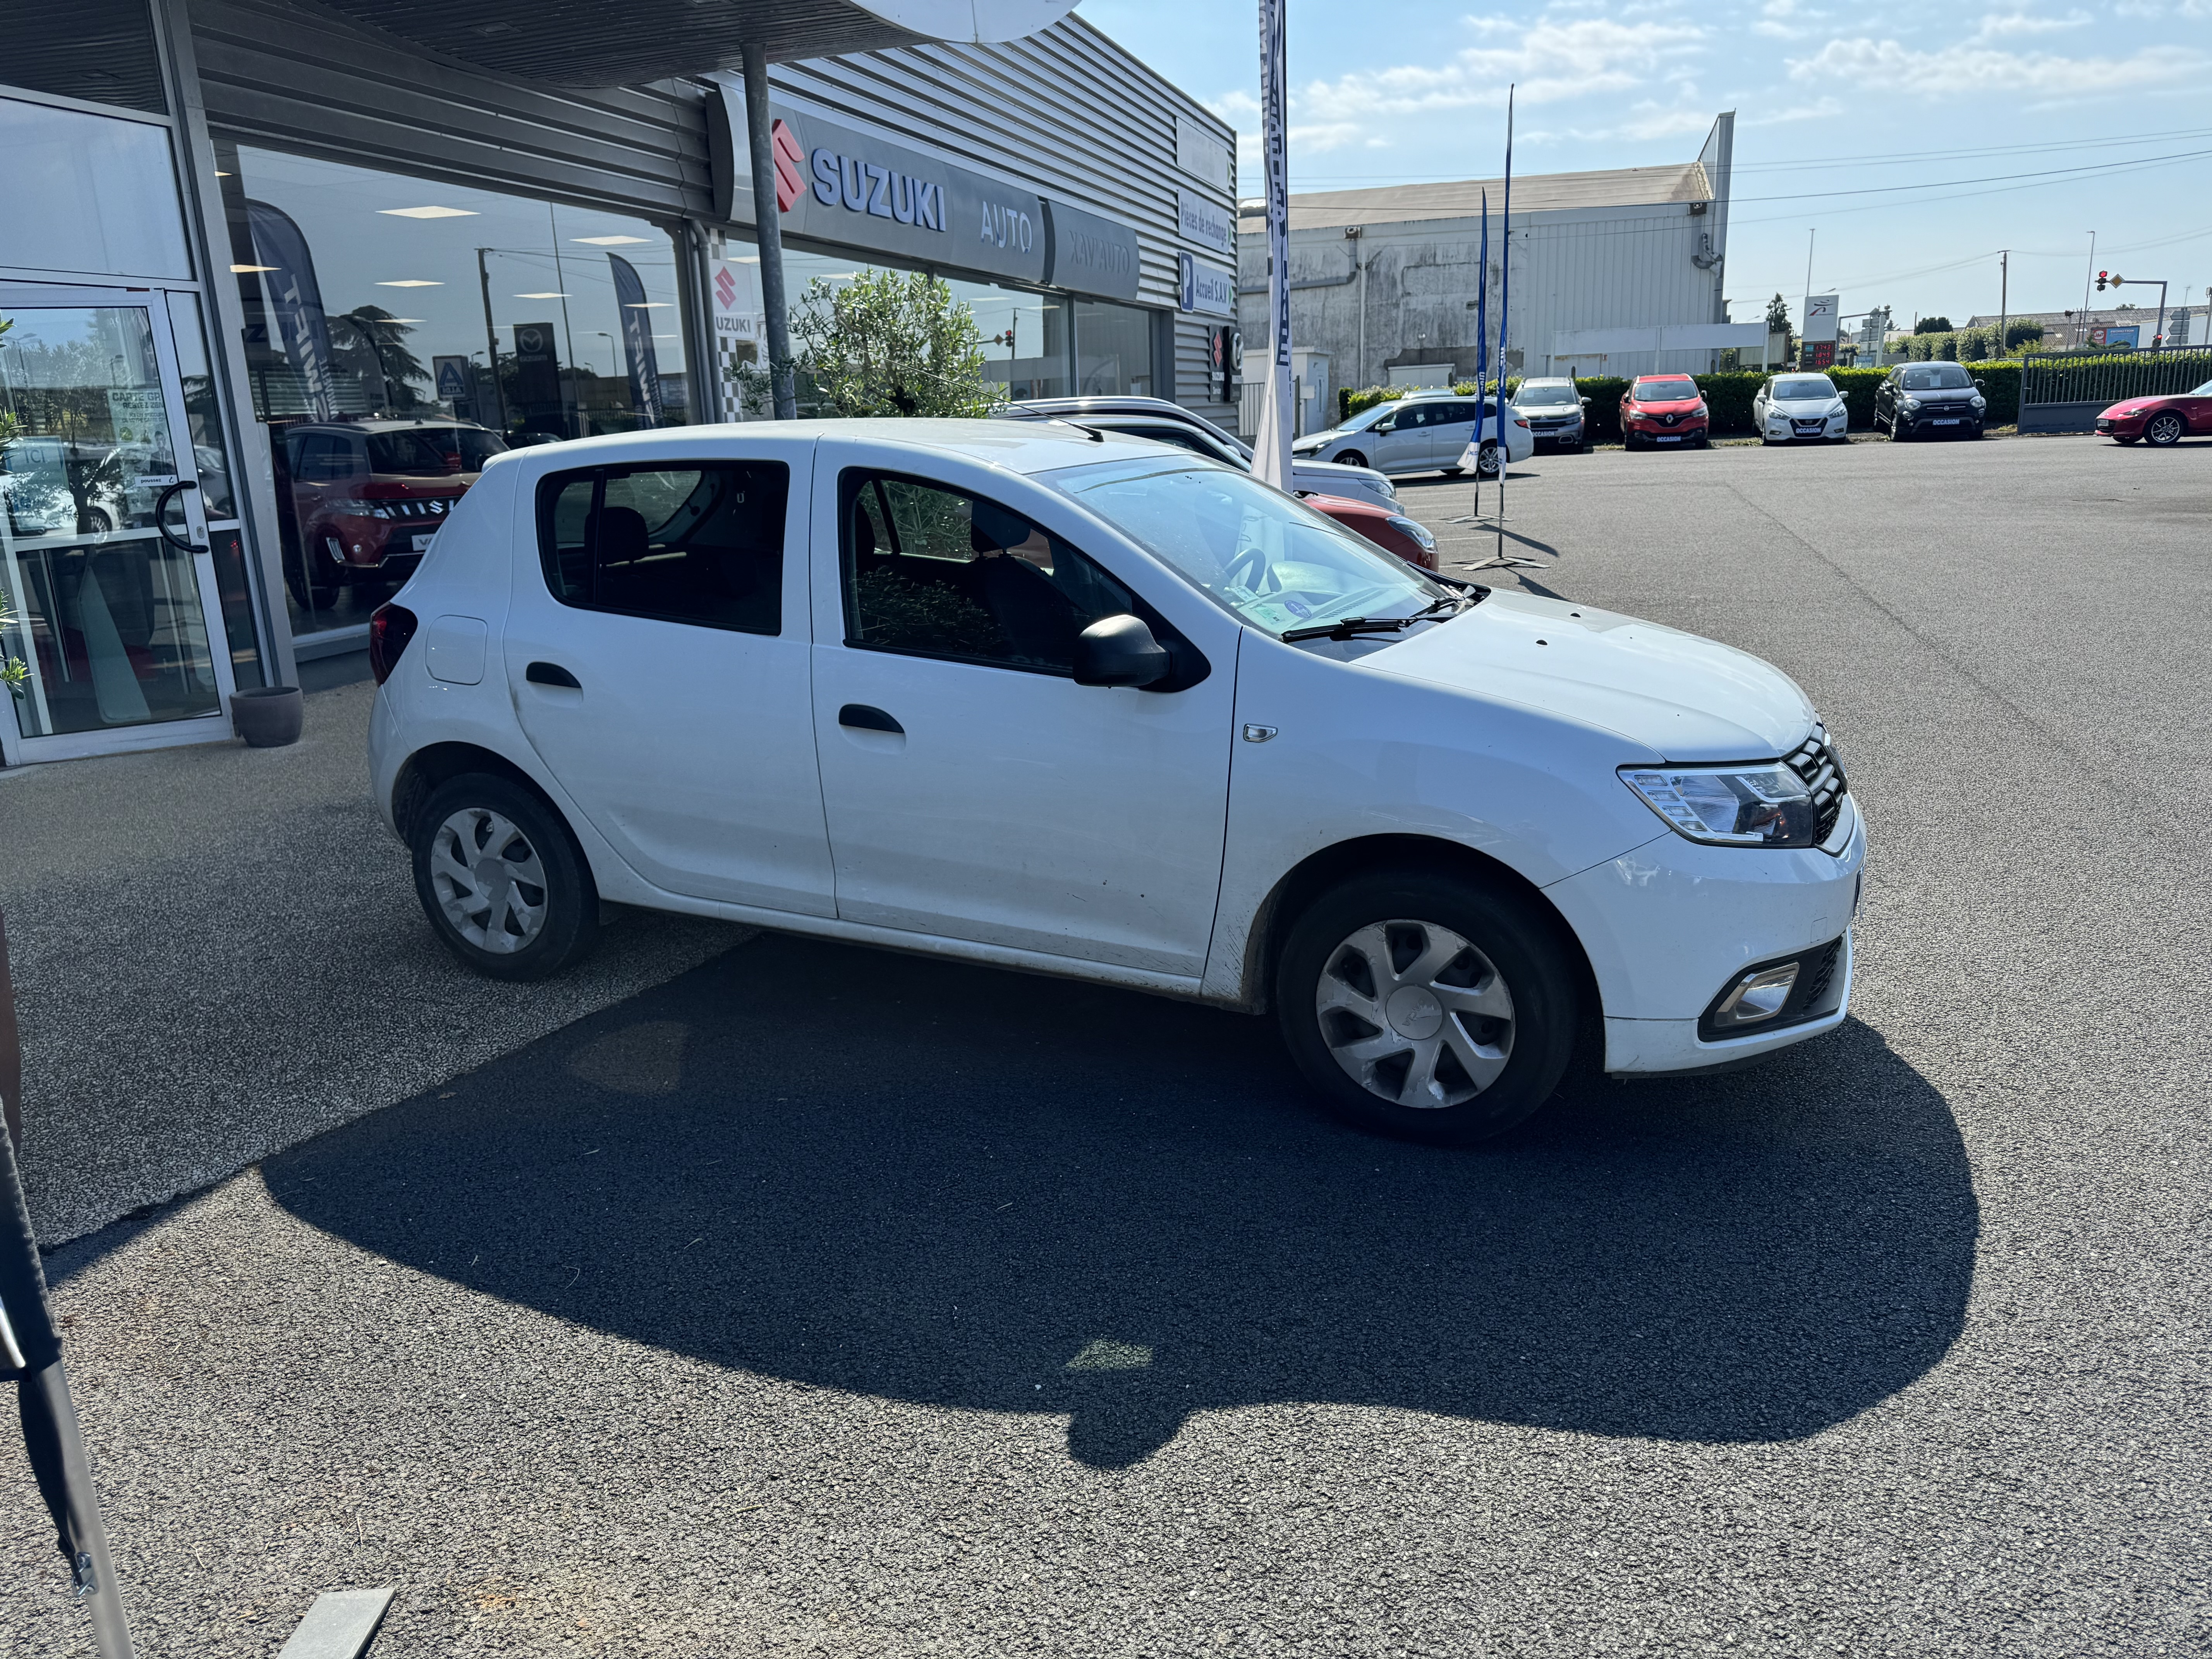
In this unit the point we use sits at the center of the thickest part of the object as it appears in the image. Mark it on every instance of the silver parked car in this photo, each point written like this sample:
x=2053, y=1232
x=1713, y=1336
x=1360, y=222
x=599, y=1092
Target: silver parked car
x=1171, y=423
x=1553, y=410
x=1421, y=432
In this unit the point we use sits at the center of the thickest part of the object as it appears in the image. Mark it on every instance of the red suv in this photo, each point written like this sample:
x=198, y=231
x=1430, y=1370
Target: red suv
x=1664, y=409
x=364, y=497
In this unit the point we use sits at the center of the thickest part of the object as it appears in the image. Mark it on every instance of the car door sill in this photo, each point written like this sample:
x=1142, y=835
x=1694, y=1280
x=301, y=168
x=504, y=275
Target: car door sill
x=1186, y=988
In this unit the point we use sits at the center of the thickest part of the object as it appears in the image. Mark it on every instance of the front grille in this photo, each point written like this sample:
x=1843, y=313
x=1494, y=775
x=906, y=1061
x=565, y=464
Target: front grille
x=1823, y=774
x=1814, y=978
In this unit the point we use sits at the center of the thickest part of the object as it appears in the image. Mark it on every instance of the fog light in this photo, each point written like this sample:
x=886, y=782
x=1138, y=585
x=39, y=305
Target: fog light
x=1757, y=996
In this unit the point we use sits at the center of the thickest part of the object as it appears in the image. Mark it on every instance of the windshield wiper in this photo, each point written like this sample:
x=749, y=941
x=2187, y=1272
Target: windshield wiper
x=1345, y=627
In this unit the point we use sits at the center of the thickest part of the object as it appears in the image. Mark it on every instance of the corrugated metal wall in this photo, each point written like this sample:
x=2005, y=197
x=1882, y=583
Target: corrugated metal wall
x=311, y=80
x=1006, y=108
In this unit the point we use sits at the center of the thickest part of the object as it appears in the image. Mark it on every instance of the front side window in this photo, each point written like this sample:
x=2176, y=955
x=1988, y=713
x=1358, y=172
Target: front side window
x=935, y=572
x=1267, y=559
x=698, y=542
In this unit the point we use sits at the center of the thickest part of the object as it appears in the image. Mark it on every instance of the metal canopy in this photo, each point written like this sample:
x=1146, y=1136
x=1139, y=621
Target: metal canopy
x=586, y=43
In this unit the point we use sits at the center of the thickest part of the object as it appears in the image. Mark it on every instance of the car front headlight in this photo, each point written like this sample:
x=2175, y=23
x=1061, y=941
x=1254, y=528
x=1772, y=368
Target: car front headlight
x=1758, y=805
x=1909, y=404
x=1980, y=403
x=1420, y=533
x=1383, y=487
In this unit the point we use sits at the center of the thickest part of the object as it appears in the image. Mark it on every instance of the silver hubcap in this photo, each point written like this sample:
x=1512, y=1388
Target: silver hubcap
x=488, y=881
x=1415, y=1014
x=2164, y=429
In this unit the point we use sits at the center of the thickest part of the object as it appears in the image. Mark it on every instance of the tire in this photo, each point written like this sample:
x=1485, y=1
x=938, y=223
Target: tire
x=2163, y=430
x=1485, y=462
x=545, y=903
x=1478, y=1069
x=95, y=521
x=1352, y=458
x=1897, y=434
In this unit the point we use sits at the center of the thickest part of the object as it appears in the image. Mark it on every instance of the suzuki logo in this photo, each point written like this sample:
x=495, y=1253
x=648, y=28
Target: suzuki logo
x=861, y=186
x=726, y=288
x=790, y=182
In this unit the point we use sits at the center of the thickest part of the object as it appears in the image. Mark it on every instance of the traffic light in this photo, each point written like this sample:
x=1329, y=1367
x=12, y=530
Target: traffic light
x=2101, y=280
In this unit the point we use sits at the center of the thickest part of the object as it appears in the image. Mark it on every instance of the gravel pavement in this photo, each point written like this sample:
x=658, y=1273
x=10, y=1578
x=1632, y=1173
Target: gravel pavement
x=823, y=1302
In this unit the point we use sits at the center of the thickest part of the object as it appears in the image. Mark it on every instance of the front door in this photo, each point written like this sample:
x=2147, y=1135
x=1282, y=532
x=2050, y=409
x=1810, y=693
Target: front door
x=1406, y=447
x=655, y=648
x=973, y=789
x=104, y=561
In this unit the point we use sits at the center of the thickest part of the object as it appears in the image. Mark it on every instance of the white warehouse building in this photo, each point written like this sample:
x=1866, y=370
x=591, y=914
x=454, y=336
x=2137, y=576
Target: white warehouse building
x=1614, y=273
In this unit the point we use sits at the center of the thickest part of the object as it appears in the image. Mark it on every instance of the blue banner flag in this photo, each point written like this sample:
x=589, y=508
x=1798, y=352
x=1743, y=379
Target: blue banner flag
x=637, y=340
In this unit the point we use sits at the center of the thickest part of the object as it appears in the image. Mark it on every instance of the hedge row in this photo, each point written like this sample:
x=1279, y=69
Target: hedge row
x=1728, y=397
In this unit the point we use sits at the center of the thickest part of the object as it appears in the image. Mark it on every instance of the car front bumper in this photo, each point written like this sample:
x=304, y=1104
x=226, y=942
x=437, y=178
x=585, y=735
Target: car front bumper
x=1653, y=432
x=1942, y=420
x=1669, y=926
x=2124, y=426
x=1790, y=429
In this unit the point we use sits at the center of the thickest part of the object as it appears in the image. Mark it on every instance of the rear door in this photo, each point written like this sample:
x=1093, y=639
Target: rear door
x=656, y=650
x=1452, y=429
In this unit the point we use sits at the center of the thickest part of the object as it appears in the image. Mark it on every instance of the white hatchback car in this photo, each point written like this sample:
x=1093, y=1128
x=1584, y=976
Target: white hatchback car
x=1800, y=409
x=1018, y=694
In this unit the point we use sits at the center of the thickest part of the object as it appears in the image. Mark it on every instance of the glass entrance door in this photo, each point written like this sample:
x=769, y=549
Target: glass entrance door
x=104, y=561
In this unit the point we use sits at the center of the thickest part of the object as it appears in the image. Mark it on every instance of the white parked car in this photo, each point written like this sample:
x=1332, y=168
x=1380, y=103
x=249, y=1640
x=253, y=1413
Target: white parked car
x=1799, y=408
x=1421, y=432
x=1013, y=694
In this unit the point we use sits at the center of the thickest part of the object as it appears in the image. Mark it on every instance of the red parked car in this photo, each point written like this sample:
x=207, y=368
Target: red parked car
x=1664, y=409
x=2160, y=421
x=362, y=498
x=1394, y=533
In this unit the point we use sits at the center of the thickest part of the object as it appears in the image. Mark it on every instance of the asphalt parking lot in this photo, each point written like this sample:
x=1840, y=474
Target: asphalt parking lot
x=821, y=1302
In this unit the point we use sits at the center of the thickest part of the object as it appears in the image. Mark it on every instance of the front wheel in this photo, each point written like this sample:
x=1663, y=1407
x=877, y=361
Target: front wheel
x=1352, y=458
x=1427, y=1006
x=1898, y=431
x=502, y=880
x=2163, y=430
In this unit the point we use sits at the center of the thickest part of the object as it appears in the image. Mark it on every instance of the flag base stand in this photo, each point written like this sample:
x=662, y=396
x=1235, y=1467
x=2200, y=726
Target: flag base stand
x=340, y=1626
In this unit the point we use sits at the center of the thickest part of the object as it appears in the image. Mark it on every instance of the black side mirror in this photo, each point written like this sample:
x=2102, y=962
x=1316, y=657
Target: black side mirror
x=1119, y=650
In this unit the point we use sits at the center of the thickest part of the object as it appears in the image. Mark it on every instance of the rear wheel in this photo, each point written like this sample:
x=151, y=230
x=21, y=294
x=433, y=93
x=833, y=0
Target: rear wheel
x=502, y=880
x=2163, y=428
x=1486, y=466
x=1427, y=1005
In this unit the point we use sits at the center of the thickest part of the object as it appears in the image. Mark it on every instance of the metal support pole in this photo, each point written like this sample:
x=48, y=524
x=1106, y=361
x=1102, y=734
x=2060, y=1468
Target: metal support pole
x=491, y=339
x=2004, y=299
x=768, y=232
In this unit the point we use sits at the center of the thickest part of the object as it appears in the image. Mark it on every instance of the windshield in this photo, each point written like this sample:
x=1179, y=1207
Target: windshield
x=1266, y=557
x=433, y=452
x=2204, y=391
x=1665, y=392
x=1543, y=396
x=1804, y=387
x=1937, y=377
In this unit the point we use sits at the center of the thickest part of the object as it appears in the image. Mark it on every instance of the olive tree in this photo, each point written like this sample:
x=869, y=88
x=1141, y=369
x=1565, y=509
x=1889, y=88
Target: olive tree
x=889, y=342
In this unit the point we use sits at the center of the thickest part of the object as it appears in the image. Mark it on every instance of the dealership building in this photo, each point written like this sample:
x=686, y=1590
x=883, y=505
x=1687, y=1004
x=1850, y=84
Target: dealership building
x=278, y=276
x=1613, y=272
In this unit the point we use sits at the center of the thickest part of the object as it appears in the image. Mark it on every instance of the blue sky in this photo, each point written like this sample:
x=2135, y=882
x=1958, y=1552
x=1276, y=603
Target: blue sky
x=1974, y=109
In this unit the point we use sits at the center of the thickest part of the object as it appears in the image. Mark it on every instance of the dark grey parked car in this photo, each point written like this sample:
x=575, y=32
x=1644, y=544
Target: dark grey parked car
x=1938, y=398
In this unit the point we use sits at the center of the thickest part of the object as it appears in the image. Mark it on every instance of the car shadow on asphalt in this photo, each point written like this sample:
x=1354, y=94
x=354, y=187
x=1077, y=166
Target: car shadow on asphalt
x=953, y=1185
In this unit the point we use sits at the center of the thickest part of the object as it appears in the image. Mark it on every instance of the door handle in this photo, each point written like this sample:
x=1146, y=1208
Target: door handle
x=861, y=718
x=160, y=511
x=551, y=673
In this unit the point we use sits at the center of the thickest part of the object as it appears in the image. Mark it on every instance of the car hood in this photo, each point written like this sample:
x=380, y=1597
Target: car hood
x=1683, y=697
x=1947, y=394
x=2133, y=406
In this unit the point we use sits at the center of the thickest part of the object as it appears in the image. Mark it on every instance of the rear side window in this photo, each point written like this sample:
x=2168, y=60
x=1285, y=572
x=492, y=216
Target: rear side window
x=699, y=542
x=934, y=572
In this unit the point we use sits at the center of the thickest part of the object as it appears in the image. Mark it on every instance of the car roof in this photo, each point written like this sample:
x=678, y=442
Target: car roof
x=1020, y=446
x=1030, y=409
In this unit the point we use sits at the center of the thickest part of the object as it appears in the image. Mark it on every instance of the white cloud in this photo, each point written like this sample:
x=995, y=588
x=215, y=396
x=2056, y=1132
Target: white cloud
x=1972, y=69
x=1997, y=26
x=1552, y=60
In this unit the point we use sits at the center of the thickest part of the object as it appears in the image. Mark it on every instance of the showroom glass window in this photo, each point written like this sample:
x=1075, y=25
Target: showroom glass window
x=398, y=331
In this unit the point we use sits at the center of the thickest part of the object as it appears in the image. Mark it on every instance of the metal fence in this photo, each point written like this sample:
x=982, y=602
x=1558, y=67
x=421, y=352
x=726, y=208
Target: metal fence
x=2099, y=376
